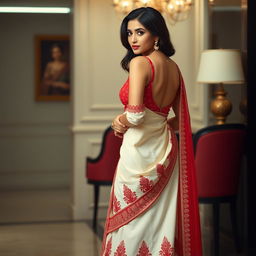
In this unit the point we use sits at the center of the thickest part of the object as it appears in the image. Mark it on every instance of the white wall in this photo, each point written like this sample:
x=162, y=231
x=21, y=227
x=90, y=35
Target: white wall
x=190, y=38
x=227, y=34
x=98, y=77
x=35, y=140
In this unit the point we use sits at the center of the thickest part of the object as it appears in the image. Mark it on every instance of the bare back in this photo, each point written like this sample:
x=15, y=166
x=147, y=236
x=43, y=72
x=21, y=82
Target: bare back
x=166, y=81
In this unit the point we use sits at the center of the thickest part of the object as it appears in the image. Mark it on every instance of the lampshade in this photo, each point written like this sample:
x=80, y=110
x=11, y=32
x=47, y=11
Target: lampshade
x=220, y=66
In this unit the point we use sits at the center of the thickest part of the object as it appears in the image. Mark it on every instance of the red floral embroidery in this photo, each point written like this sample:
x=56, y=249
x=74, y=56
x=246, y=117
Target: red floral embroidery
x=144, y=251
x=129, y=195
x=116, y=204
x=135, y=108
x=121, y=251
x=130, y=212
x=160, y=170
x=108, y=247
x=166, y=248
x=145, y=184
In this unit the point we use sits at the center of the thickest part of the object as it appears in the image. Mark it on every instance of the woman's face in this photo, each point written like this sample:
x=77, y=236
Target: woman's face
x=56, y=53
x=139, y=38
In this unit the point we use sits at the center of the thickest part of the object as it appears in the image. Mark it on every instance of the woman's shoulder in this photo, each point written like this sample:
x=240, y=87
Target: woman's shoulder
x=173, y=63
x=140, y=63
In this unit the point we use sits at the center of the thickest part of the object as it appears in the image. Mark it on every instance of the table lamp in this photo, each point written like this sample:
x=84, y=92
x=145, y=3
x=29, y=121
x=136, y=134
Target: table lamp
x=220, y=66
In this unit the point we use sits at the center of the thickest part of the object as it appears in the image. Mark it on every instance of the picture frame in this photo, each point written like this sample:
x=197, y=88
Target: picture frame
x=52, y=68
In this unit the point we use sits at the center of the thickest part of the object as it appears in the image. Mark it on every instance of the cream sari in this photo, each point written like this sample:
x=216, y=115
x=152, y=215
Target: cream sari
x=153, y=207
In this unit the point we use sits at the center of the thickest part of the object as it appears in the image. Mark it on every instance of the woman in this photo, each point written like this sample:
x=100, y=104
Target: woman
x=56, y=75
x=153, y=206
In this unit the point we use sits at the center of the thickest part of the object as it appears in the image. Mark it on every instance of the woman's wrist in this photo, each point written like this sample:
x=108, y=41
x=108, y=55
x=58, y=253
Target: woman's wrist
x=118, y=126
x=123, y=120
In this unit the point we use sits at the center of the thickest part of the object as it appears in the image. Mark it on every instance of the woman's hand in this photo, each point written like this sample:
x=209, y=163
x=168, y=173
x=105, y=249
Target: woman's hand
x=118, y=127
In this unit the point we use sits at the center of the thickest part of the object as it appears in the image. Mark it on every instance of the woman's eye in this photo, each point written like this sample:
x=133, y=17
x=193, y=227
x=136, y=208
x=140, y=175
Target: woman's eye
x=140, y=33
x=129, y=33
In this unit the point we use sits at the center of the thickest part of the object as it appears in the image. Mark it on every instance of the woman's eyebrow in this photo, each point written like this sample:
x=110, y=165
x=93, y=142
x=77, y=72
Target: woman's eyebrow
x=136, y=29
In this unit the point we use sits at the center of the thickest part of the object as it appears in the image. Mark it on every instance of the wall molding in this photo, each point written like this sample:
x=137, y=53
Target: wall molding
x=32, y=171
x=227, y=8
x=199, y=104
x=88, y=129
x=32, y=124
x=100, y=205
x=95, y=141
x=195, y=104
x=106, y=107
x=94, y=146
x=95, y=119
x=29, y=135
x=34, y=130
x=13, y=179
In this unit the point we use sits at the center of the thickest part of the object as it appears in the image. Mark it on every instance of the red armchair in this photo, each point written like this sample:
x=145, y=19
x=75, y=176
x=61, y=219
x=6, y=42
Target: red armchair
x=218, y=154
x=100, y=170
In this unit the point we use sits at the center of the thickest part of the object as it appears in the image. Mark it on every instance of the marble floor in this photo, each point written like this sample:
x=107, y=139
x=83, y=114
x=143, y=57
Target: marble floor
x=19, y=206
x=49, y=239
x=38, y=223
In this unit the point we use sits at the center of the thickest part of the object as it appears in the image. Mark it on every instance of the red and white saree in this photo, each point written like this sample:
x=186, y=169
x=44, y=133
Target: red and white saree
x=153, y=207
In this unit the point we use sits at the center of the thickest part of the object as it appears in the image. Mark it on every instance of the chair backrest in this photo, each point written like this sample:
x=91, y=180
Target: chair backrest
x=218, y=153
x=103, y=167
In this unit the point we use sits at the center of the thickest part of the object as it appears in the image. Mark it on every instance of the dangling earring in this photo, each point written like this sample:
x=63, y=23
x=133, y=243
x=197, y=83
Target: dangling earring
x=156, y=46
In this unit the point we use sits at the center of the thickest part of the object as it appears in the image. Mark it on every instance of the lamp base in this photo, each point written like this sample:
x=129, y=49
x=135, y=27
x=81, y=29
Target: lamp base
x=221, y=107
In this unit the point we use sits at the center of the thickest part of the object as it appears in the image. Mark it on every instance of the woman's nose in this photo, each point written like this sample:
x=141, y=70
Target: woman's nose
x=134, y=38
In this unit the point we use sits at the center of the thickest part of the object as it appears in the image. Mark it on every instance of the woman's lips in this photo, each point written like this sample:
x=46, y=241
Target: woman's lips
x=135, y=47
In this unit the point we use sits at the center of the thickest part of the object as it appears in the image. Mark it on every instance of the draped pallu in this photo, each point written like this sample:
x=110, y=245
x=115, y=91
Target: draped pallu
x=153, y=207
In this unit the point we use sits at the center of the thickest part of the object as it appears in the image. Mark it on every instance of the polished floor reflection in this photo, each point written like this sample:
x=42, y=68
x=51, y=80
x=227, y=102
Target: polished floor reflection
x=38, y=223
x=66, y=239
x=49, y=239
x=19, y=206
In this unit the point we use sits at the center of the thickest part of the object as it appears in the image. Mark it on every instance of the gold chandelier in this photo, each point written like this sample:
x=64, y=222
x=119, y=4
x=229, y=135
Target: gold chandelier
x=174, y=10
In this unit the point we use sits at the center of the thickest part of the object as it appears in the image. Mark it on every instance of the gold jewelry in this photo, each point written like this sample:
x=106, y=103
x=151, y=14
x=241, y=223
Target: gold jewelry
x=156, y=46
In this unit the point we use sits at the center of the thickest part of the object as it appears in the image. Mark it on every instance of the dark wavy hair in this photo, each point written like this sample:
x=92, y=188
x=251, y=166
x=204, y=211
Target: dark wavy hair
x=153, y=21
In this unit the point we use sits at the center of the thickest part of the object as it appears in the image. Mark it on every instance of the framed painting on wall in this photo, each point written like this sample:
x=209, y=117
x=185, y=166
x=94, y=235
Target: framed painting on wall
x=52, y=68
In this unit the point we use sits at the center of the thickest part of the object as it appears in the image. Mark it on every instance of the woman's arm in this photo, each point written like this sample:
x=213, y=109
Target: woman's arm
x=139, y=76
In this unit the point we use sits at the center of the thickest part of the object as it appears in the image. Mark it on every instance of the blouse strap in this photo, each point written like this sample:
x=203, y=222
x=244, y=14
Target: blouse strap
x=152, y=68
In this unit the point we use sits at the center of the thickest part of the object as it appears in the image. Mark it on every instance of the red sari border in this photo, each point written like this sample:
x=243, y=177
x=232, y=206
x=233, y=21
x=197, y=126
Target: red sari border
x=188, y=226
x=135, y=108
